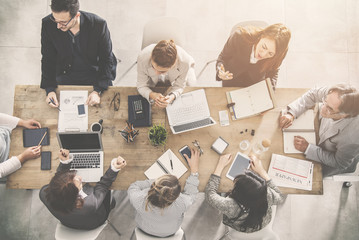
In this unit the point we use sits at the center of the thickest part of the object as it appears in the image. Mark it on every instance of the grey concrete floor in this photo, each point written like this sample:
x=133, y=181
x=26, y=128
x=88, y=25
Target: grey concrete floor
x=324, y=50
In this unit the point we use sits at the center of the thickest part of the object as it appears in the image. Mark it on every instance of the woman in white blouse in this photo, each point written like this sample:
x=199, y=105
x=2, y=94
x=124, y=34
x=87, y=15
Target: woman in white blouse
x=7, y=124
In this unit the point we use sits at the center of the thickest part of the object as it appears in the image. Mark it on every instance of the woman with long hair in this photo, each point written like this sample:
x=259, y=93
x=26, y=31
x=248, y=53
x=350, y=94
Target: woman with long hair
x=252, y=54
x=247, y=207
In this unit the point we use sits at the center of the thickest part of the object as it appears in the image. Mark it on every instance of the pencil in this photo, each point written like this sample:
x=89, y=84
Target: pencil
x=42, y=139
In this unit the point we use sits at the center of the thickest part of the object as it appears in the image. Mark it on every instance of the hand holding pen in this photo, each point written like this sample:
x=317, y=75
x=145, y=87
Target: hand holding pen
x=64, y=154
x=51, y=99
x=223, y=74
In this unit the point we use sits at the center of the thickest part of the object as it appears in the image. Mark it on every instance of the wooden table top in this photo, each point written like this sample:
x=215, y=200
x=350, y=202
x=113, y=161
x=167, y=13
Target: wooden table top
x=29, y=102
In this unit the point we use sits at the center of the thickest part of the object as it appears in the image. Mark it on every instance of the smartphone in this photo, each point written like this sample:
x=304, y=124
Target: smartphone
x=185, y=150
x=81, y=110
x=45, y=160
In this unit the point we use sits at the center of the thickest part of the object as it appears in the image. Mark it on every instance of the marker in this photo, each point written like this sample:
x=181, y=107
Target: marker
x=52, y=101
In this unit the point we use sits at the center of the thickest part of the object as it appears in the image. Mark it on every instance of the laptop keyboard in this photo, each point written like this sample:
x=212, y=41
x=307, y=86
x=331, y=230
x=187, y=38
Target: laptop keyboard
x=192, y=125
x=86, y=160
x=195, y=111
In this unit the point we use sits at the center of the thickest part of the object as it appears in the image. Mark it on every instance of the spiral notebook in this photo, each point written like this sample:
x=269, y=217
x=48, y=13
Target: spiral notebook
x=251, y=100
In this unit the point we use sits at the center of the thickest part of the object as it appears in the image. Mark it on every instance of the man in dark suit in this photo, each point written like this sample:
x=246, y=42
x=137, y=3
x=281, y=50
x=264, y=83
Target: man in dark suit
x=77, y=206
x=76, y=49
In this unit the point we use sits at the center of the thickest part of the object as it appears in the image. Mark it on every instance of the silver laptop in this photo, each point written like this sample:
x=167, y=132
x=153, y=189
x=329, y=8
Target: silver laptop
x=189, y=111
x=87, y=151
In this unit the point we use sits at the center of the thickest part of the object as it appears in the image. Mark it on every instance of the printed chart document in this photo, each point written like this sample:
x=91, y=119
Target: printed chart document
x=251, y=100
x=163, y=166
x=68, y=117
x=302, y=126
x=291, y=172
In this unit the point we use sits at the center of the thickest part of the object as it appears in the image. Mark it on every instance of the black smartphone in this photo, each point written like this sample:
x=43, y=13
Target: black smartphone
x=45, y=160
x=81, y=110
x=185, y=150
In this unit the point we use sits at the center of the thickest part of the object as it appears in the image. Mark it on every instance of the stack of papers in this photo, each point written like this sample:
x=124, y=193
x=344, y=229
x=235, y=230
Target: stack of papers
x=291, y=172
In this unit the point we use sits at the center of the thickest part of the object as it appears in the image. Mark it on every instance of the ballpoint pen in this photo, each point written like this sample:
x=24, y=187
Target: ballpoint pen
x=52, y=101
x=170, y=156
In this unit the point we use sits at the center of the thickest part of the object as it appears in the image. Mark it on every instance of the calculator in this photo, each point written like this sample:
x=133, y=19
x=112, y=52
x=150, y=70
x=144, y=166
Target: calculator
x=138, y=109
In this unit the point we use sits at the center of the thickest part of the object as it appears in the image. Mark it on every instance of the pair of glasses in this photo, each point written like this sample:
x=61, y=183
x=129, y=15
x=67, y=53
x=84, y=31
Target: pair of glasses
x=64, y=24
x=196, y=144
x=161, y=72
x=328, y=108
x=116, y=102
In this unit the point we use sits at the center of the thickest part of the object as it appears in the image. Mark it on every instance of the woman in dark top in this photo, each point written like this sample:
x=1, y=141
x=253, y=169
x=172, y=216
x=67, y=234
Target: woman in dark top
x=252, y=54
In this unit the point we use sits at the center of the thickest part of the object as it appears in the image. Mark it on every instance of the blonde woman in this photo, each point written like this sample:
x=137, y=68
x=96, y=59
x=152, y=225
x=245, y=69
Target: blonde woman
x=159, y=203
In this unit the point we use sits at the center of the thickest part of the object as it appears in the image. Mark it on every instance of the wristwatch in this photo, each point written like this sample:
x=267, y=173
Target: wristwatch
x=194, y=174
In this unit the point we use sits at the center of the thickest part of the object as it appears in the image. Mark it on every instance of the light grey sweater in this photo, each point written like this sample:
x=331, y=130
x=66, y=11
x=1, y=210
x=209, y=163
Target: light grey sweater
x=231, y=209
x=156, y=221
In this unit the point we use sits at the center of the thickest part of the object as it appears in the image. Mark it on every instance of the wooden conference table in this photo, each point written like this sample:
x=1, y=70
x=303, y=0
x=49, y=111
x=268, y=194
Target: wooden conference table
x=29, y=102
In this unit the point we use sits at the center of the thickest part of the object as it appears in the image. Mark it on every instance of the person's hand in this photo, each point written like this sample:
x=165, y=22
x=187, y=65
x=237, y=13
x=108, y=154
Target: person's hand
x=30, y=153
x=93, y=99
x=223, y=161
x=120, y=163
x=257, y=166
x=30, y=124
x=52, y=95
x=193, y=162
x=300, y=143
x=286, y=120
x=159, y=99
x=64, y=154
x=170, y=98
x=223, y=74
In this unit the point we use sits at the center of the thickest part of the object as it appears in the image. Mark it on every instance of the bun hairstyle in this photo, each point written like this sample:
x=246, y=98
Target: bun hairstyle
x=165, y=53
x=250, y=192
x=350, y=98
x=164, y=191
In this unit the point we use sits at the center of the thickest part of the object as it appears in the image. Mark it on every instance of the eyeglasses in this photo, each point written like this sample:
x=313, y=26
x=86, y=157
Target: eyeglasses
x=64, y=24
x=196, y=144
x=157, y=70
x=116, y=102
x=328, y=108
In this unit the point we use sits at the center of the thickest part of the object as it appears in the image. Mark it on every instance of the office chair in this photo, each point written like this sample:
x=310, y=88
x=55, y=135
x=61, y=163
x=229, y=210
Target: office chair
x=161, y=28
x=349, y=177
x=261, y=24
x=265, y=233
x=140, y=235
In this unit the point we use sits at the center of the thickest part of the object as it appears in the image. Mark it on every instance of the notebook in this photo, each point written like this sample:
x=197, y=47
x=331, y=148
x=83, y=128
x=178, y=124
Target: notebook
x=139, y=111
x=87, y=151
x=251, y=100
x=32, y=137
x=162, y=166
x=189, y=111
x=302, y=126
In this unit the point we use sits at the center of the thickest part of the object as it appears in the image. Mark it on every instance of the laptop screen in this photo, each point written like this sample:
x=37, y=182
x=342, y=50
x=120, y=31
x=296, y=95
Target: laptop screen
x=80, y=141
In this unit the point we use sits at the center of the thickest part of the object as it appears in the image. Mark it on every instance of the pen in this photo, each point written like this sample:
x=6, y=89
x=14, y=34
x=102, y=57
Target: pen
x=42, y=139
x=52, y=101
x=169, y=155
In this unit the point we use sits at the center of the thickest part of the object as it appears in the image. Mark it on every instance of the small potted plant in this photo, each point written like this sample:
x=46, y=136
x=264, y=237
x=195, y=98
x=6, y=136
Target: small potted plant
x=157, y=135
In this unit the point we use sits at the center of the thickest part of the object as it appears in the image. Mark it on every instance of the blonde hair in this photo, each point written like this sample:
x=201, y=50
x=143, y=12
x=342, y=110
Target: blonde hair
x=164, y=191
x=165, y=53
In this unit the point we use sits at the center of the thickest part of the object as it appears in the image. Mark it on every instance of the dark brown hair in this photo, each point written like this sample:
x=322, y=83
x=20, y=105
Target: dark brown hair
x=277, y=32
x=71, y=6
x=349, y=97
x=62, y=194
x=165, y=53
x=164, y=191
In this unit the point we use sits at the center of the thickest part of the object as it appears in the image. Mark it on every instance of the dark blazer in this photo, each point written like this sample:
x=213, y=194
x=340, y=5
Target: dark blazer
x=93, y=212
x=96, y=47
x=235, y=58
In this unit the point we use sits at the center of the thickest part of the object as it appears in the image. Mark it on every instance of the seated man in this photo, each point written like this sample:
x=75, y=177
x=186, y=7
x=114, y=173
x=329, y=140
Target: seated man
x=76, y=49
x=339, y=127
x=7, y=124
x=161, y=63
x=77, y=206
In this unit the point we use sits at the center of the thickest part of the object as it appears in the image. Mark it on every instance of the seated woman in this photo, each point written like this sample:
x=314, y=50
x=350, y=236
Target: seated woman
x=159, y=203
x=7, y=124
x=252, y=54
x=77, y=206
x=247, y=208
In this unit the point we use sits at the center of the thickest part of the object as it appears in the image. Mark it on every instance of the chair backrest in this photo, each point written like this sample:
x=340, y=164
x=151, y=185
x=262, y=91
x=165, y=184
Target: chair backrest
x=140, y=235
x=65, y=233
x=265, y=233
x=261, y=24
x=163, y=28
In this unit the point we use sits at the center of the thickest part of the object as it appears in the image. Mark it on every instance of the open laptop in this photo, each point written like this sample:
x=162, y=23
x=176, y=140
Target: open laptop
x=189, y=111
x=87, y=151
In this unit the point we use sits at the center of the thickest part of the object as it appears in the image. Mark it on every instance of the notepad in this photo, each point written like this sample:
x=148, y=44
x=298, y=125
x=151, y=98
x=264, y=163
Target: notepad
x=162, y=166
x=251, y=100
x=302, y=126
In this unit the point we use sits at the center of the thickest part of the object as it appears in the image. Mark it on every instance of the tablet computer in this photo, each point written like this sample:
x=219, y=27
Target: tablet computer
x=240, y=163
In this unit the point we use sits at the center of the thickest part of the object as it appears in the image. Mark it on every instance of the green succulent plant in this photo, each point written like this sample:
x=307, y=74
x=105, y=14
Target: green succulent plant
x=157, y=135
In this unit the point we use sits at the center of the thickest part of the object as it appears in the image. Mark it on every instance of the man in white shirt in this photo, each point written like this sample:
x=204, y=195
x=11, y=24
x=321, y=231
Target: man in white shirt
x=7, y=124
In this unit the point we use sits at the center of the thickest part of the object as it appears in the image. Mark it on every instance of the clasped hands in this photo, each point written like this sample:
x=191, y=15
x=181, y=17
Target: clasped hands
x=93, y=99
x=160, y=100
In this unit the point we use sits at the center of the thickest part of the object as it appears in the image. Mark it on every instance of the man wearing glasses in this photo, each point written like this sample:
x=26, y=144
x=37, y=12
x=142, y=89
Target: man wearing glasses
x=76, y=49
x=338, y=147
x=164, y=64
